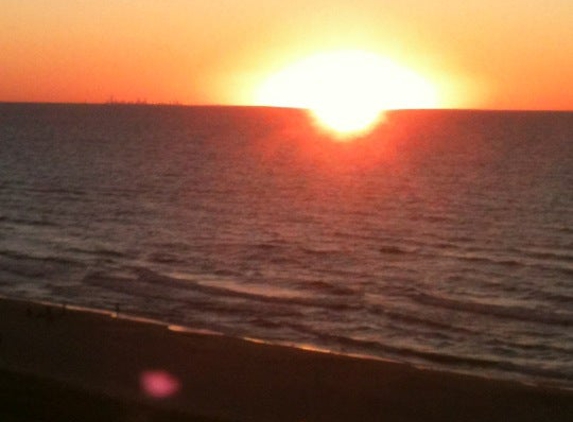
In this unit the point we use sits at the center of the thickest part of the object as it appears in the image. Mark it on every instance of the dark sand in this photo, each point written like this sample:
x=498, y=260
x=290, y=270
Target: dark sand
x=85, y=366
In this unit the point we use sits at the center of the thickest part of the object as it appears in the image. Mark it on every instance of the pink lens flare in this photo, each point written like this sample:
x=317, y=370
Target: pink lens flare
x=159, y=384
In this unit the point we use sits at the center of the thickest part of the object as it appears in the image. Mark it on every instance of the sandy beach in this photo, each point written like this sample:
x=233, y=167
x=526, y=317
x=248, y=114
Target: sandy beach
x=57, y=363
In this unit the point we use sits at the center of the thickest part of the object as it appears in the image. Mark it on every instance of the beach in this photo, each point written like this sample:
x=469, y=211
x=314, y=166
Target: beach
x=59, y=363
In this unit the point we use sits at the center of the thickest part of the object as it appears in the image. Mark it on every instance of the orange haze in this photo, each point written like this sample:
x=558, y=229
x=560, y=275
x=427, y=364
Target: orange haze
x=476, y=53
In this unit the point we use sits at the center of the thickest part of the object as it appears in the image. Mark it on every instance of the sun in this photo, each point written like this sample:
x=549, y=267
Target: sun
x=347, y=91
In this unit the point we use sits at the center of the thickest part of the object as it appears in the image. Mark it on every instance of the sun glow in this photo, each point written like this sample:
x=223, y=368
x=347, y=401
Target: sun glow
x=347, y=91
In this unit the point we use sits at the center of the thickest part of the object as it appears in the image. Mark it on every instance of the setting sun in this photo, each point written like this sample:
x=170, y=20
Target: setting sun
x=347, y=91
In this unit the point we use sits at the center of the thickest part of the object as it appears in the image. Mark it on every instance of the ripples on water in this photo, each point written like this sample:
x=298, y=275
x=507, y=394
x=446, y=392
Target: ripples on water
x=443, y=239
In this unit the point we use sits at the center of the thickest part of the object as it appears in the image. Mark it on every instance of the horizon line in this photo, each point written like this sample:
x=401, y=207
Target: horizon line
x=144, y=103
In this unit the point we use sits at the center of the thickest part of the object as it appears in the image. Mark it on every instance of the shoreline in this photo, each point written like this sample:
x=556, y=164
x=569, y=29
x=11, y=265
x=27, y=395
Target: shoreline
x=143, y=364
x=117, y=313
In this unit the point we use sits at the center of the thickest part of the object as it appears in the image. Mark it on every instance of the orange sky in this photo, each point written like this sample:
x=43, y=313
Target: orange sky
x=516, y=54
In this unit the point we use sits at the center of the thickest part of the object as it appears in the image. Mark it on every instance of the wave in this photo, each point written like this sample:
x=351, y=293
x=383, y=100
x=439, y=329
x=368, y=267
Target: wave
x=149, y=281
x=37, y=267
x=393, y=250
x=376, y=348
x=488, y=260
x=18, y=256
x=28, y=222
x=507, y=312
x=549, y=261
x=52, y=190
x=409, y=318
x=554, y=255
x=325, y=287
x=166, y=258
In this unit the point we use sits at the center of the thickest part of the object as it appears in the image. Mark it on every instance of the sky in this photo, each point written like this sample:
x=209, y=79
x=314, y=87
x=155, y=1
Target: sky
x=511, y=54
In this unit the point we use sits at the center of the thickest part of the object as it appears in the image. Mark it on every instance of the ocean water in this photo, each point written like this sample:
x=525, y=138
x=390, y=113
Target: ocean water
x=443, y=239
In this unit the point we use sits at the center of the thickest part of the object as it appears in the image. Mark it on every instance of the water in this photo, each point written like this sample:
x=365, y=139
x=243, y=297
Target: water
x=443, y=239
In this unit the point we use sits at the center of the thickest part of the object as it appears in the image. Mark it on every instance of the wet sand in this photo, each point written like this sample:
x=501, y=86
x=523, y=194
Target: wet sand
x=63, y=364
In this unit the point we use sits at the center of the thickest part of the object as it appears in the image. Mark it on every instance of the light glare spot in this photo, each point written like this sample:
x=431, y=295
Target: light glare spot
x=159, y=384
